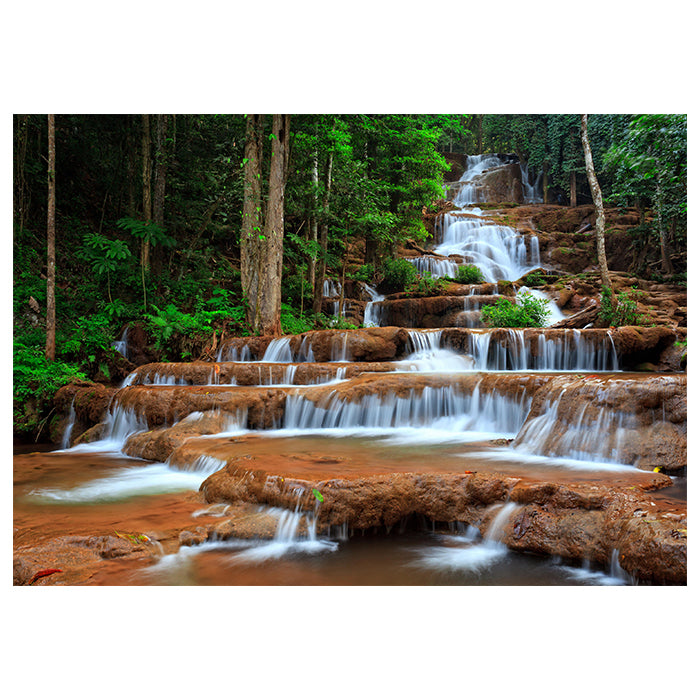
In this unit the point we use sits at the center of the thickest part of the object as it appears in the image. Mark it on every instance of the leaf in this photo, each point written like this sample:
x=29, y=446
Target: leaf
x=318, y=495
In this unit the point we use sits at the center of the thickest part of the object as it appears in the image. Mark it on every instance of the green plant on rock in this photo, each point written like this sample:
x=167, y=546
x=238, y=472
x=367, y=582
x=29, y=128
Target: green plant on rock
x=534, y=279
x=35, y=382
x=469, y=274
x=427, y=286
x=399, y=273
x=624, y=312
x=526, y=311
x=292, y=323
x=364, y=273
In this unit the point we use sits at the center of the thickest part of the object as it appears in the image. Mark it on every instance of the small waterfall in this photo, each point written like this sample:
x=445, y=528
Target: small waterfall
x=531, y=193
x=65, y=441
x=339, y=349
x=121, y=423
x=122, y=345
x=468, y=192
x=443, y=406
x=506, y=350
x=234, y=354
x=595, y=434
x=494, y=535
x=373, y=312
x=331, y=288
x=434, y=267
x=500, y=252
x=279, y=350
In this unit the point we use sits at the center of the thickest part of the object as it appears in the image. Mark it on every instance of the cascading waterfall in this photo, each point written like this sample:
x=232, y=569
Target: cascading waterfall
x=500, y=252
x=505, y=349
x=595, y=435
x=372, y=315
x=435, y=267
x=445, y=407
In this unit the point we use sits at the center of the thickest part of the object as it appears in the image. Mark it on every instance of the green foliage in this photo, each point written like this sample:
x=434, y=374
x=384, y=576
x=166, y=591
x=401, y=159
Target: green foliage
x=364, y=273
x=534, y=279
x=87, y=339
x=398, y=273
x=526, y=312
x=35, y=382
x=146, y=231
x=103, y=253
x=469, y=274
x=293, y=323
x=428, y=286
x=625, y=312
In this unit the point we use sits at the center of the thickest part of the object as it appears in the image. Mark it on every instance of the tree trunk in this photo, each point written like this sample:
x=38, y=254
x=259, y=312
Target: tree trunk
x=131, y=160
x=146, y=175
x=666, y=266
x=251, y=228
x=159, y=181
x=323, y=239
x=51, y=247
x=20, y=199
x=313, y=221
x=572, y=189
x=600, y=213
x=545, y=184
x=269, y=303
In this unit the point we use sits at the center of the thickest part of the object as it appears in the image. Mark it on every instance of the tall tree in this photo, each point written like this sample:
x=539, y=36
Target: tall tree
x=600, y=212
x=262, y=233
x=146, y=173
x=51, y=245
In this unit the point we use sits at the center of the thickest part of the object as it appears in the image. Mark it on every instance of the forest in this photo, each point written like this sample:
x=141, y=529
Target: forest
x=204, y=227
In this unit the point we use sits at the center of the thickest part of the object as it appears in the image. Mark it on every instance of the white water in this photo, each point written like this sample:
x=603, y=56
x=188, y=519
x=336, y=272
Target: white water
x=122, y=345
x=65, y=441
x=372, y=316
x=571, y=351
x=442, y=409
x=500, y=252
x=434, y=267
x=471, y=555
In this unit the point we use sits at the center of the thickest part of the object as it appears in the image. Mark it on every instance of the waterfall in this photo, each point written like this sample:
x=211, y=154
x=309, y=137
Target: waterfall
x=234, y=354
x=595, y=434
x=279, y=350
x=435, y=267
x=443, y=406
x=498, y=251
x=505, y=349
x=65, y=441
x=122, y=345
x=330, y=288
x=373, y=314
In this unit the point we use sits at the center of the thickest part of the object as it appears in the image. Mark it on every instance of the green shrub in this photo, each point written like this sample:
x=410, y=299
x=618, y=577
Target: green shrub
x=469, y=274
x=527, y=312
x=428, y=286
x=35, y=382
x=625, y=312
x=364, y=273
x=399, y=273
x=534, y=279
x=292, y=324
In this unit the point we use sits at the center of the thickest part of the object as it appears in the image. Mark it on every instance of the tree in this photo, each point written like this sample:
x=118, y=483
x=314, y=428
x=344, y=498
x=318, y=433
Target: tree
x=262, y=232
x=649, y=165
x=51, y=246
x=600, y=212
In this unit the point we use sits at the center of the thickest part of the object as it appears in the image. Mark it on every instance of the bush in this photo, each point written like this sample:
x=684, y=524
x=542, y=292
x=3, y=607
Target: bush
x=35, y=382
x=469, y=274
x=527, y=312
x=625, y=312
x=364, y=273
x=292, y=324
x=534, y=279
x=428, y=286
x=399, y=273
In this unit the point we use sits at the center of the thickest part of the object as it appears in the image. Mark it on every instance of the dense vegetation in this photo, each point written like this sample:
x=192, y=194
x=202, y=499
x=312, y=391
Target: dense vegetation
x=149, y=213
